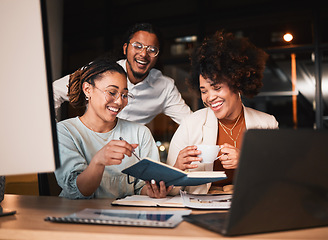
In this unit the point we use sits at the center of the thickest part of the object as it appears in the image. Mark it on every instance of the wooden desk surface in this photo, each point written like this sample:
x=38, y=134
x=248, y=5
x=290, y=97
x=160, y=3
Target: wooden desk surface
x=28, y=223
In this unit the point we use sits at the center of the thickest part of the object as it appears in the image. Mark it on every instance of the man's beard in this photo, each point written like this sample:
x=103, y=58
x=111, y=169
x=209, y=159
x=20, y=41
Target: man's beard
x=136, y=74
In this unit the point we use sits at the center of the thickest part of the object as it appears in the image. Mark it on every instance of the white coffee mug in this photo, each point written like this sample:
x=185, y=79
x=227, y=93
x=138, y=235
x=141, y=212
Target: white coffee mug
x=209, y=152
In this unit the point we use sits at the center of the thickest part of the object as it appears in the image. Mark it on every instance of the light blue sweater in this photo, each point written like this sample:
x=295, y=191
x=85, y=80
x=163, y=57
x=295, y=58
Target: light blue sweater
x=77, y=146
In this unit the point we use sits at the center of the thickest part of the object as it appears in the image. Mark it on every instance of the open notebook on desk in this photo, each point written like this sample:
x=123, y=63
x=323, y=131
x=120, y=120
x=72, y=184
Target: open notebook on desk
x=146, y=201
x=195, y=201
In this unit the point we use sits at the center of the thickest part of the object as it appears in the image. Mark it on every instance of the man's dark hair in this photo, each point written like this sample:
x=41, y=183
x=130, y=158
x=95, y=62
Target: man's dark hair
x=147, y=27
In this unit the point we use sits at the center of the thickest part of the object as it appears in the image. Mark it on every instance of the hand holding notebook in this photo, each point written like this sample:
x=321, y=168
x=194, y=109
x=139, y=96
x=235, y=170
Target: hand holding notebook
x=148, y=169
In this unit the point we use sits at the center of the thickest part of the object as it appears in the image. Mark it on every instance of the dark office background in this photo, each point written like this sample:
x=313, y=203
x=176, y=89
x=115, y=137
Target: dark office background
x=86, y=29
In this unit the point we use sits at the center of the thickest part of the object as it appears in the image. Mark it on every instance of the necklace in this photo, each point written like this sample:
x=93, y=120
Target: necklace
x=230, y=129
x=234, y=140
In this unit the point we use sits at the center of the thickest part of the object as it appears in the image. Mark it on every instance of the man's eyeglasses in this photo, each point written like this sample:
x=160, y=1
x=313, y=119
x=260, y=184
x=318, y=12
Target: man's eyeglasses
x=113, y=94
x=152, y=51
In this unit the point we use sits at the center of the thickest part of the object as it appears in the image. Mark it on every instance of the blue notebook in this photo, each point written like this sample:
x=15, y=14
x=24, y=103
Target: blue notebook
x=137, y=218
x=148, y=169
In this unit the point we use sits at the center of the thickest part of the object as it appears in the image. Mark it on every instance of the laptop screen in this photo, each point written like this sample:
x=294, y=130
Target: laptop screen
x=281, y=184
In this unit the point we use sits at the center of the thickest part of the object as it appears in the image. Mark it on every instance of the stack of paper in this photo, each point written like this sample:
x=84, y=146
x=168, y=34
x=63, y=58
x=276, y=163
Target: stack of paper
x=198, y=201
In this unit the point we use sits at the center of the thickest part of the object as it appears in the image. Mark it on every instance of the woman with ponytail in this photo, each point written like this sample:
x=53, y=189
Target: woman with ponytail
x=91, y=154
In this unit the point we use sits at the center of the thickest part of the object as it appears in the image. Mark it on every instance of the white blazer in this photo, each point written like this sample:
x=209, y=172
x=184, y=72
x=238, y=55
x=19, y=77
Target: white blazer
x=201, y=127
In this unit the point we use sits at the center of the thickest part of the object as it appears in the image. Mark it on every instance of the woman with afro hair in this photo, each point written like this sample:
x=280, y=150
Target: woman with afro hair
x=223, y=69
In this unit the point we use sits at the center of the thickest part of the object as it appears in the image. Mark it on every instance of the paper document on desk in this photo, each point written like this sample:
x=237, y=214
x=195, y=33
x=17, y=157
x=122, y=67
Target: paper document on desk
x=206, y=201
x=197, y=201
x=145, y=201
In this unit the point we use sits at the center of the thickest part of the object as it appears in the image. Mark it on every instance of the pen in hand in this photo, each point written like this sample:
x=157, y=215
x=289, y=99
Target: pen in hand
x=132, y=152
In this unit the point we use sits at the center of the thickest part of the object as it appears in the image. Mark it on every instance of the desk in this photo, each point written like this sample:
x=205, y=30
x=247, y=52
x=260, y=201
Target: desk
x=28, y=223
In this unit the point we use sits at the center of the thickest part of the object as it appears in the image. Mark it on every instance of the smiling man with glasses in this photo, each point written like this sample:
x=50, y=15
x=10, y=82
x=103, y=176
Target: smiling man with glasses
x=153, y=92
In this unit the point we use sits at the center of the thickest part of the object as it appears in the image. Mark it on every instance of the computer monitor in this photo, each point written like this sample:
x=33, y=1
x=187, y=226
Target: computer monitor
x=27, y=124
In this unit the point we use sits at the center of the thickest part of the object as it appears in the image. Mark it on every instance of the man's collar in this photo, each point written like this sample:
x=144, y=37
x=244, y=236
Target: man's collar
x=147, y=80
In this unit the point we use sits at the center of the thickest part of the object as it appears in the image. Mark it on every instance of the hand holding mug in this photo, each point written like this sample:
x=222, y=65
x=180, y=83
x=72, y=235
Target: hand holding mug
x=229, y=157
x=187, y=157
x=209, y=153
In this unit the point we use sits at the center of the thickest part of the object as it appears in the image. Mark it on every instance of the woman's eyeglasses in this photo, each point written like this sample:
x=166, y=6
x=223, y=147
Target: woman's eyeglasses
x=113, y=94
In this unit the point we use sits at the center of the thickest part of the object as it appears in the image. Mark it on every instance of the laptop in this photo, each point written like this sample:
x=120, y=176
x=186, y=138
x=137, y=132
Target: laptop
x=281, y=184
